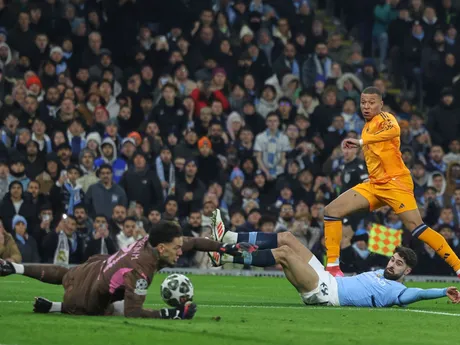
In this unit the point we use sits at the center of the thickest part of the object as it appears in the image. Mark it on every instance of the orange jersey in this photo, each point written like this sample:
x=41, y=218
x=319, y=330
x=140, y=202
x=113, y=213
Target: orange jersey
x=380, y=141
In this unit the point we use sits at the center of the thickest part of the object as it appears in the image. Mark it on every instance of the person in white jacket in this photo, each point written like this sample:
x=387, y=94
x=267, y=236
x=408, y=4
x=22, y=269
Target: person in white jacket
x=126, y=236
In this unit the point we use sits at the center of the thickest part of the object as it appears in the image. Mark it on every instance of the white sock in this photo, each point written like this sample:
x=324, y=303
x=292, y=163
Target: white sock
x=18, y=268
x=230, y=237
x=118, y=308
x=56, y=307
x=458, y=272
x=335, y=263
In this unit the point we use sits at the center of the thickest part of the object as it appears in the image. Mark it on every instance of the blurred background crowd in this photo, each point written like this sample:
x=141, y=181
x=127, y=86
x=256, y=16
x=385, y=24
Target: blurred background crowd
x=119, y=113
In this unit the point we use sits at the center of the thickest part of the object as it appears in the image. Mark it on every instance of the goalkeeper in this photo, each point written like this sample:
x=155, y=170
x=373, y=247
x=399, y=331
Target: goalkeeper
x=117, y=284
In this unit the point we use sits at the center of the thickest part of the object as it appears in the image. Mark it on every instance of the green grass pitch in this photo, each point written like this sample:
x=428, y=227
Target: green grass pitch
x=252, y=311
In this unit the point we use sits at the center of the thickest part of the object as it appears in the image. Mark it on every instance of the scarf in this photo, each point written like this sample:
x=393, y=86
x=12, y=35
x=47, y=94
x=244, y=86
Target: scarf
x=363, y=253
x=449, y=41
x=323, y=69
x=73, y=242
x=295, y=69
x=419, y=37
x=21, y=239
x=161, y=176
x=271, y=152
x=7, y=138
x=74, y=197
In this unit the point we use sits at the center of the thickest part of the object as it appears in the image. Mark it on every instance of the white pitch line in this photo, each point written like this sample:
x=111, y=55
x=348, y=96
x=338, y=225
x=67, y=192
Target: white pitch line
x=418, y=311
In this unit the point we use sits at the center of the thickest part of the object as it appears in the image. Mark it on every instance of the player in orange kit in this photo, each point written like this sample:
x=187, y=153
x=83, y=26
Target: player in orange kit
x=390, y=183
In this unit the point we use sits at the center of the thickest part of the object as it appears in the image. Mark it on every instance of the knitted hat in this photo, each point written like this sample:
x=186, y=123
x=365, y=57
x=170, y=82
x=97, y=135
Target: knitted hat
x=204, y=141
x=136, y=136
x=236, y=173
x=17, y=219
x=33, y=80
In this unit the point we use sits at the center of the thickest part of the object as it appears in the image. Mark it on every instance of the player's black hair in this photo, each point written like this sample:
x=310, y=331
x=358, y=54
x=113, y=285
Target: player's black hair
x=164, y=232
x=371, y=90
x=408, y=255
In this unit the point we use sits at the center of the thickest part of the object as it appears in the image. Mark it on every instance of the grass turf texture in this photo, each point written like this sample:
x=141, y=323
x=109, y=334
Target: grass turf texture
x=252, y=311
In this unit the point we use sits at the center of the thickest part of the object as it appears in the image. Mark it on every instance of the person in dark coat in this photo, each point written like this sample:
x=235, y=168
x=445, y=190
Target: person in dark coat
x=356, y=257
x=443, y=120
x=190, y=190
x=26, y=244
x=16, y=202
x=208, y=163
x=142, y=184
x=76, y=243
x=170, y=114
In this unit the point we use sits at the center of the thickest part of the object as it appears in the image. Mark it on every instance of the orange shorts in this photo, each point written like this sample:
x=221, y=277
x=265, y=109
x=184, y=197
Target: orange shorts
x=398, y=193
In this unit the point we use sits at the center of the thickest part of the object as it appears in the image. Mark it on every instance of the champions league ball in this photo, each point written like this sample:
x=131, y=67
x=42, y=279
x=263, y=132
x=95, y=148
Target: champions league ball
x=176, y=290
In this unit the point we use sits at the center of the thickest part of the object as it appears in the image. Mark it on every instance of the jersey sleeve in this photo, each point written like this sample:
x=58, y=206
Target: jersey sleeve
x=411, y=295
x=387, y=129
x=136, y=286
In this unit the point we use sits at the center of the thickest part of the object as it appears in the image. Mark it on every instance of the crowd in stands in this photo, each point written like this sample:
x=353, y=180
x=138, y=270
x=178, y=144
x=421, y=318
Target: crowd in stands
x=119, y=113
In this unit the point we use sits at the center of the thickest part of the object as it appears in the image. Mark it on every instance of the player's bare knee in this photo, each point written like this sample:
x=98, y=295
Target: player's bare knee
x=283, y=253
x=285, y=239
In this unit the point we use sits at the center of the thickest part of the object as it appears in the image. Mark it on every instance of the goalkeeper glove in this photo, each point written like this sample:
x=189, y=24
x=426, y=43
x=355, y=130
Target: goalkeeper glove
x=237, y=249
x=185, y=311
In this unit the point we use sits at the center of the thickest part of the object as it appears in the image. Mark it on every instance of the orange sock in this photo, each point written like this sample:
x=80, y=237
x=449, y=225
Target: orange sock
x=333, y=236
x=440, y=245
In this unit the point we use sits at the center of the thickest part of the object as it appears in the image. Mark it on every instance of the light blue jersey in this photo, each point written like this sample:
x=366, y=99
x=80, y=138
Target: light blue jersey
x=369, y=289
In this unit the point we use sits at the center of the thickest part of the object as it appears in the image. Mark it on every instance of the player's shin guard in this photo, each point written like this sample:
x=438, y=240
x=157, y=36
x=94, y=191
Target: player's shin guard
x=262, y=240
x=333, y=236
x=260, y=258
x=439, y=244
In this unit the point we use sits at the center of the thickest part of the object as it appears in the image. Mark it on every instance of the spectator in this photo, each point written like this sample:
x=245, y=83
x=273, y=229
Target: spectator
x=166, y=173
x=104, y=195
x=109, y=156
x=126, y=236
x=8, y=247
x=3, y=178
x=190, y=190
x=435, y=162
x=271, y=148
x=170, y=114
x=356, y=255
x=208, y=162
x=66, y=193
x=141, y=184
x=443, y=123
x=76, y=245
x=99, y=241
x=87, y=168
x=26, y=244
x=50, y=175
x=17, y=171
x=16, y=202
x=251, y=224
x=318, y=64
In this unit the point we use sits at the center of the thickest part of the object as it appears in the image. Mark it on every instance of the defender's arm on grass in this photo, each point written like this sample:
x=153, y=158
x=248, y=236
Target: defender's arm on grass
x=412, y=295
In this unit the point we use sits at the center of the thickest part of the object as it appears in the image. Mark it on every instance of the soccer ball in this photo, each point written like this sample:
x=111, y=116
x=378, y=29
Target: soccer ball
x=176, y=289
